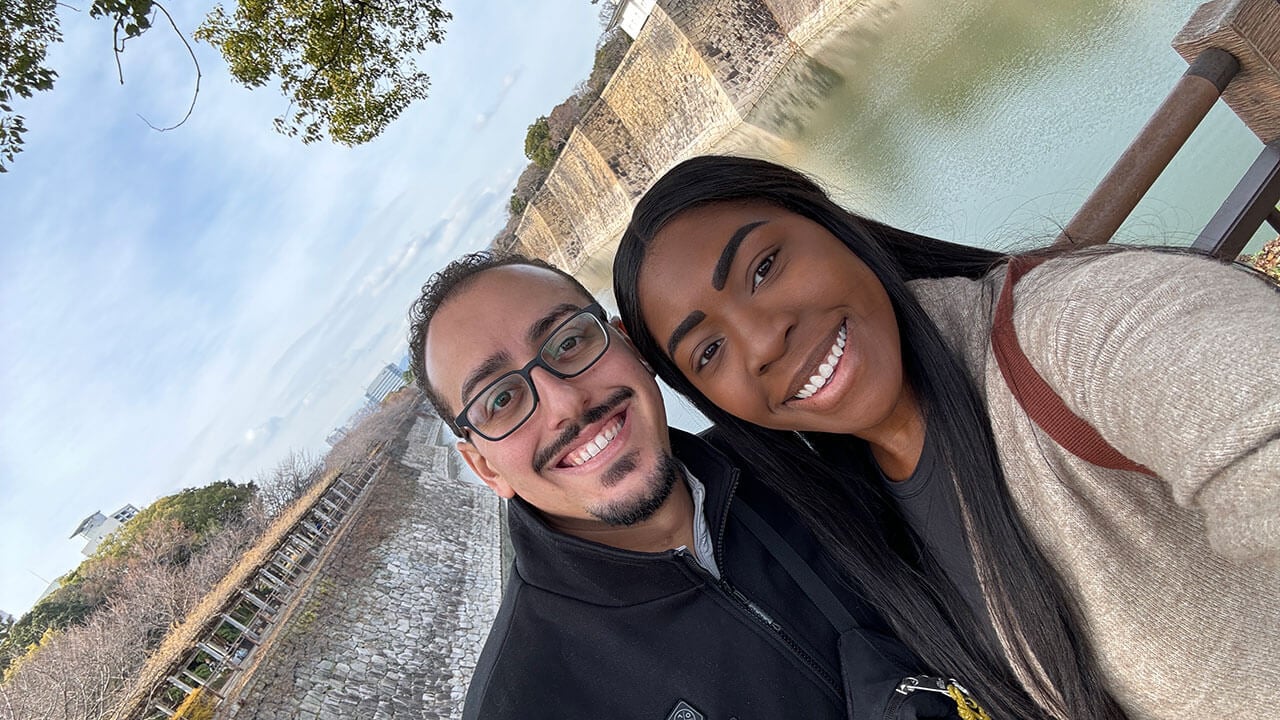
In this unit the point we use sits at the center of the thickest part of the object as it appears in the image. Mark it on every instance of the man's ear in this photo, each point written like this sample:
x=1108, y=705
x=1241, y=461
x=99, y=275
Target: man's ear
x=483, y=470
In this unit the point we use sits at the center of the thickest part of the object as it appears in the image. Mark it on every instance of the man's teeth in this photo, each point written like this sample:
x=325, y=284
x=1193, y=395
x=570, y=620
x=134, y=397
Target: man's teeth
x=593, y=446
x=827, y=367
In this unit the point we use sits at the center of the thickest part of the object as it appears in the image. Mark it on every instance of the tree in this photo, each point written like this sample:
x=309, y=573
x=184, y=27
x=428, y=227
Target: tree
x=286, y=482
x=347, y=66
x=27, y=27
x=537, y=144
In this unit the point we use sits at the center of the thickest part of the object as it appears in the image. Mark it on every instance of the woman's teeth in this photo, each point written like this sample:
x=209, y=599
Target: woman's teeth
x=595, y=445
x=826, y=368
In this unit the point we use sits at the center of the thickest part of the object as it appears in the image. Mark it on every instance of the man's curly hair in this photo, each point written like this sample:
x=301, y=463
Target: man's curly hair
x=438, y=289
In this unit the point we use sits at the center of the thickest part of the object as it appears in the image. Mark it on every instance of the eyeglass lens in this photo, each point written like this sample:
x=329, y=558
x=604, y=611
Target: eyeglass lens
x=571, y=349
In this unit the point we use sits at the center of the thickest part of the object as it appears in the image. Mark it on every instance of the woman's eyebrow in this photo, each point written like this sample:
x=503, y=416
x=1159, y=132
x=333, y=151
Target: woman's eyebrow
x=687, y=324
x=720, y=274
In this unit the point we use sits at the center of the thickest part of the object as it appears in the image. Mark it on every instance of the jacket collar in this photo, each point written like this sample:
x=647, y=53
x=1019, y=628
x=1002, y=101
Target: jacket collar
x=605, y=575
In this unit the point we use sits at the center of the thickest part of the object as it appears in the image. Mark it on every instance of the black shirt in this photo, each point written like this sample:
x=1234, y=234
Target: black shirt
x=929, y=504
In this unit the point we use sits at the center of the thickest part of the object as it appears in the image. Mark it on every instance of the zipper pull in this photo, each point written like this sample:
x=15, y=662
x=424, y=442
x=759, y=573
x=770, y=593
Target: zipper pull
x=966, y=706
x=924, y=682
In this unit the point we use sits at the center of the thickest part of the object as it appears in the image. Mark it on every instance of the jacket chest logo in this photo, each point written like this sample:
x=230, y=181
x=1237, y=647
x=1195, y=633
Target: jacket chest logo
x=684, y=711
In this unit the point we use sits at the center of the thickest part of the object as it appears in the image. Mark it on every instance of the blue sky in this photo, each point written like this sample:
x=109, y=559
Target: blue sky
x=182, y=307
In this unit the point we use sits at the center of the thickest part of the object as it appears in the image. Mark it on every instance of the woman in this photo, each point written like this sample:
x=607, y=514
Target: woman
x=827, y=347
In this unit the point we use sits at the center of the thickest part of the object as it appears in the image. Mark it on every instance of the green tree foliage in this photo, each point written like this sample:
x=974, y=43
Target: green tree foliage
x=347, y=66
x=27, y=28
x=199, y=511
x=66, y=606
x=538, y=146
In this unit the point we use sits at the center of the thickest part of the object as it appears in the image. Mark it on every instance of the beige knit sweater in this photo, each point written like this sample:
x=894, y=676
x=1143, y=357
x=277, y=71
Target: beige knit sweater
x=1176, y=361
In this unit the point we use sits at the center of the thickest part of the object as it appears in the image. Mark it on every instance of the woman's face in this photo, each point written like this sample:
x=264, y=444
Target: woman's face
x=774, y=319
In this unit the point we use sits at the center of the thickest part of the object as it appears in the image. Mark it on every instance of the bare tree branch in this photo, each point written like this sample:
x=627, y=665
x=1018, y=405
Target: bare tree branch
x=194, y=61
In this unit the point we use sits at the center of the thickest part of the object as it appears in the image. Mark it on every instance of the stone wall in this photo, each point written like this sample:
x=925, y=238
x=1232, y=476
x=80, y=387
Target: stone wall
x=394, y=620
x=697, y=73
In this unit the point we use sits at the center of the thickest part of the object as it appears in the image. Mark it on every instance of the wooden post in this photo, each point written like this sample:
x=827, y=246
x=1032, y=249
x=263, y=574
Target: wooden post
x=1150, y=152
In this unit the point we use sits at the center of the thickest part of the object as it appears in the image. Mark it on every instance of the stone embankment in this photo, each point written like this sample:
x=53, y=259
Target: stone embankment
x=393, y=623
x=696, y=72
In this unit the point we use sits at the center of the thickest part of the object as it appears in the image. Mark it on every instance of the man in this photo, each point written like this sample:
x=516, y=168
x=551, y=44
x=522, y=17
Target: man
x=652, y=579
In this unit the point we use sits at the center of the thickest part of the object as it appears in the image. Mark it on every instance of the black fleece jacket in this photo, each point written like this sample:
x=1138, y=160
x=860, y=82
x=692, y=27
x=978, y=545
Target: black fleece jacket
x=591, y=631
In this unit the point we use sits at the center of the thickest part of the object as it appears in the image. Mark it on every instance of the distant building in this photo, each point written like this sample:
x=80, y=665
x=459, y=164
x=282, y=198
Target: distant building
x=97, y=526
x=630, y=16
x=387, y=382
x=336, y=436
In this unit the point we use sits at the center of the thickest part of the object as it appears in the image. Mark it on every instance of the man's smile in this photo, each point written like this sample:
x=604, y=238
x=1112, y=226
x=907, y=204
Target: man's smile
x=573, y=441
x=588, y=450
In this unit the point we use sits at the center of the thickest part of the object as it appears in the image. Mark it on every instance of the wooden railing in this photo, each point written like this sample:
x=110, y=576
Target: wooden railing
x=1233, y=48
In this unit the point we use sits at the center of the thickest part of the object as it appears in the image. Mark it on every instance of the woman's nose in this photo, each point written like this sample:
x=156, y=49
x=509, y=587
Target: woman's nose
x=763, y=338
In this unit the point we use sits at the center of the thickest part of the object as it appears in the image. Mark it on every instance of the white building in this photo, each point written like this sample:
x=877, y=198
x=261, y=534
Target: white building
x=630, y=16
x=387, y=382
x=97, y=526
x=336, y=436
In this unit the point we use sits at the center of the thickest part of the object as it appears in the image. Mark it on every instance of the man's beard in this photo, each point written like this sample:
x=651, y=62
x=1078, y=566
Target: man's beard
x=655, y=491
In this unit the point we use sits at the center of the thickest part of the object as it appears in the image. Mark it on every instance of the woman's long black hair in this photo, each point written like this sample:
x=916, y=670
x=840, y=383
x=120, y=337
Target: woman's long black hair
x=1045, y=666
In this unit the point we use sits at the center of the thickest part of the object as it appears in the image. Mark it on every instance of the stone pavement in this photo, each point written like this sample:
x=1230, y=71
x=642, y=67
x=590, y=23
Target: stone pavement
x=393, y=624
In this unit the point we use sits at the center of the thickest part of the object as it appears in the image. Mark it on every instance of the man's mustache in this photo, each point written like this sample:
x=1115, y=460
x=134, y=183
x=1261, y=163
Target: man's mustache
x=566, y=438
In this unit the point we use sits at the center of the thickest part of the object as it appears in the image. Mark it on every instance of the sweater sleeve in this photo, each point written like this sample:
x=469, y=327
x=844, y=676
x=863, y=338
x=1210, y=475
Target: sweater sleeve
x=1175, y=359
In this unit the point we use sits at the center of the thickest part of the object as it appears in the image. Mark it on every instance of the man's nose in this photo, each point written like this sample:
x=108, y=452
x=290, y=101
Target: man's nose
x=561, y=400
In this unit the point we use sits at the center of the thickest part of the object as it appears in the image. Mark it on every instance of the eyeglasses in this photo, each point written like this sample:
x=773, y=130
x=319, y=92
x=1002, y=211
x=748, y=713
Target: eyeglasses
x=504, y=404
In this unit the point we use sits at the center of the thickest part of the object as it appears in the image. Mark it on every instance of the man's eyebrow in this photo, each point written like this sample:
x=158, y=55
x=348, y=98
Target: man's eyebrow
x=683, y=329
x=721, y=273
x=491, y=365
x=548, y=321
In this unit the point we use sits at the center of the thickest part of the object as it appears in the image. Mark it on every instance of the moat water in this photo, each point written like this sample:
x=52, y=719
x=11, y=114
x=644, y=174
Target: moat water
x=989, y=121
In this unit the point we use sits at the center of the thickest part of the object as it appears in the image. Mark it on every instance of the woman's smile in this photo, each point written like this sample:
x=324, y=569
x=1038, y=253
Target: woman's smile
x=825, y=370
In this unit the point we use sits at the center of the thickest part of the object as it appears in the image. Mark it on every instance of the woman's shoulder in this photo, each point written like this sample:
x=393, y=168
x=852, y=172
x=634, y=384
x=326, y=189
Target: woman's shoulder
x=1102, y=272
x=1099, y=293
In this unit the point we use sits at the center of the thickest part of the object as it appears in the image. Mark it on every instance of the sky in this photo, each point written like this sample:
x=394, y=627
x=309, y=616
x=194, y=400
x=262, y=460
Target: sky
x=183, y=307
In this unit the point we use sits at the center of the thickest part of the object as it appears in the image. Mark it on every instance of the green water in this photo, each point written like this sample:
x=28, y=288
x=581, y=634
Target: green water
x=989, y=122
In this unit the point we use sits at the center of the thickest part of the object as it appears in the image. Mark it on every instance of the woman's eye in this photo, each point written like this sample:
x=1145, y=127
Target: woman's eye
x=762, y=270
x=708, y=353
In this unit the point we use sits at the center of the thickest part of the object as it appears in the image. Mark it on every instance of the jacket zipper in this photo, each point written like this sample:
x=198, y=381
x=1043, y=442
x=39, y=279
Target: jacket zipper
x=761, y=616
x=782, y=634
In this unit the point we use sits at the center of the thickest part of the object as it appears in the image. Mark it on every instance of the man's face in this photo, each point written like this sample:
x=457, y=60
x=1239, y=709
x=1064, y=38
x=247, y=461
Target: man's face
x=555, y=461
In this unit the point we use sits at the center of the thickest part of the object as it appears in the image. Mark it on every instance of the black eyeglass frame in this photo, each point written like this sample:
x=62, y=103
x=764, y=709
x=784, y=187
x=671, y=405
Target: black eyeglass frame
x=597, y=313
